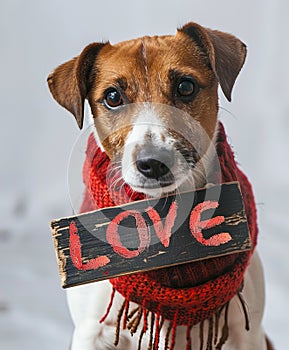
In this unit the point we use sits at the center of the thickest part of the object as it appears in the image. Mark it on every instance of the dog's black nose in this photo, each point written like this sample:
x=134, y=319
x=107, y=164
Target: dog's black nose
x=155, y=164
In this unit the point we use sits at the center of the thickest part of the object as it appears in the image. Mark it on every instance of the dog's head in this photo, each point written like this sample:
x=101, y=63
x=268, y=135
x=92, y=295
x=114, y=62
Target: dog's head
x=154, y=101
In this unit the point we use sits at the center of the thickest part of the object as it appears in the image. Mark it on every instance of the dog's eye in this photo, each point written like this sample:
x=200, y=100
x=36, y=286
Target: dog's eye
x=112, y=98
x=186, y=89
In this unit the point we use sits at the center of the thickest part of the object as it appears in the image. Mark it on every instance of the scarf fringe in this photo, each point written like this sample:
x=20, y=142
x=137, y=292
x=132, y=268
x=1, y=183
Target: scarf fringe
x=131, y=320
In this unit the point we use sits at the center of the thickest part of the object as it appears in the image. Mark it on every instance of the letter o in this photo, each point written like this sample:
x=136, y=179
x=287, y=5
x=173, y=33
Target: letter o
x=113, y=237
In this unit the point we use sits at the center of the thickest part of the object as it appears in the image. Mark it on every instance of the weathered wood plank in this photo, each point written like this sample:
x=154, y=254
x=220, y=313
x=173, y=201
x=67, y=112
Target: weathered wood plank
x=151, y=234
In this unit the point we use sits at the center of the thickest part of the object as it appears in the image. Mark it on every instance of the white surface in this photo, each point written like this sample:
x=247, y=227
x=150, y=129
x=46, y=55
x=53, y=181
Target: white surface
x=36, y=136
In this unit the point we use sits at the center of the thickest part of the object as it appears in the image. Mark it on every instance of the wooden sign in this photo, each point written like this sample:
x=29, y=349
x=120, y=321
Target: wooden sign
x=151, y=234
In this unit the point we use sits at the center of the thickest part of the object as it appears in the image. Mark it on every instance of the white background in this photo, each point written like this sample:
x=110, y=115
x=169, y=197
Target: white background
x=36, y=137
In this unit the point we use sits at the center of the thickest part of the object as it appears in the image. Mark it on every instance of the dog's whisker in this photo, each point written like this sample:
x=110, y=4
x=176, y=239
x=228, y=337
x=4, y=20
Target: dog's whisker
x=114, y=172
x=114, y=185
x=229, y=112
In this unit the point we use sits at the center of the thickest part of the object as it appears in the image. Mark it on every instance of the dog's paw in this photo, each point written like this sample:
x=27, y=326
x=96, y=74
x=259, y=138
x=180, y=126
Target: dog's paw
x=105, y=340
x=93, y=336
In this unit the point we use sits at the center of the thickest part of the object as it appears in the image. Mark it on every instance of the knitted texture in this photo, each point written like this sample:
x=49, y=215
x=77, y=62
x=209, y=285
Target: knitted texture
x=186, y=294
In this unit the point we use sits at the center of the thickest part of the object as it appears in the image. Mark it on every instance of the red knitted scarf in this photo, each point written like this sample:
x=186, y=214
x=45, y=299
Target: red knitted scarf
x=186, y=294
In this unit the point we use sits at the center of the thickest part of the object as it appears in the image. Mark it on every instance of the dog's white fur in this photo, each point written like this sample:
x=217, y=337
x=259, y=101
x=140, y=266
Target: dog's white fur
x=88, y=303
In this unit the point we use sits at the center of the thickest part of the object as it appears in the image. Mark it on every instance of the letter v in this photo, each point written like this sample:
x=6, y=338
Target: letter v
x=163, y=231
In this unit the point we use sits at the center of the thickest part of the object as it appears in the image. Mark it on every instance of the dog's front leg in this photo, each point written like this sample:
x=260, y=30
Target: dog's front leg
x=87, y=305
x=254, y=297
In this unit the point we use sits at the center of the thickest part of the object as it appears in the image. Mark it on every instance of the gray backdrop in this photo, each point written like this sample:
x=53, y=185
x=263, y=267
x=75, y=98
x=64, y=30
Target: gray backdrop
x=36, y=136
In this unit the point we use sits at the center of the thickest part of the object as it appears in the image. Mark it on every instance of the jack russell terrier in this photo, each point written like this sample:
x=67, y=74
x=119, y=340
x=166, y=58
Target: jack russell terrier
x=127, y=86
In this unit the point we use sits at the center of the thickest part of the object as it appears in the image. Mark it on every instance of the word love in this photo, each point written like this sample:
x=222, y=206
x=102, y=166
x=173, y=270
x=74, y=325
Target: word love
x=163, y=232
x=151, y=234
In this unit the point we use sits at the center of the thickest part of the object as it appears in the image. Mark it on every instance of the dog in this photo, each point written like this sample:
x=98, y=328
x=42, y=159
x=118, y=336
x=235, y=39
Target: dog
x=127, y=86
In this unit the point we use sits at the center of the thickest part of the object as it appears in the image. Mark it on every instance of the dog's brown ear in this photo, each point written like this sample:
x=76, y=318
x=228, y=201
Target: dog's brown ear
x=71, y=82
x=225, y=52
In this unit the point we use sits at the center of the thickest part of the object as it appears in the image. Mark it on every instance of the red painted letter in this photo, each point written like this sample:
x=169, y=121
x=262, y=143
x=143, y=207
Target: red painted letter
x=196, y=225
x=163, y=231
x=75, y=252
x=113, y=238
